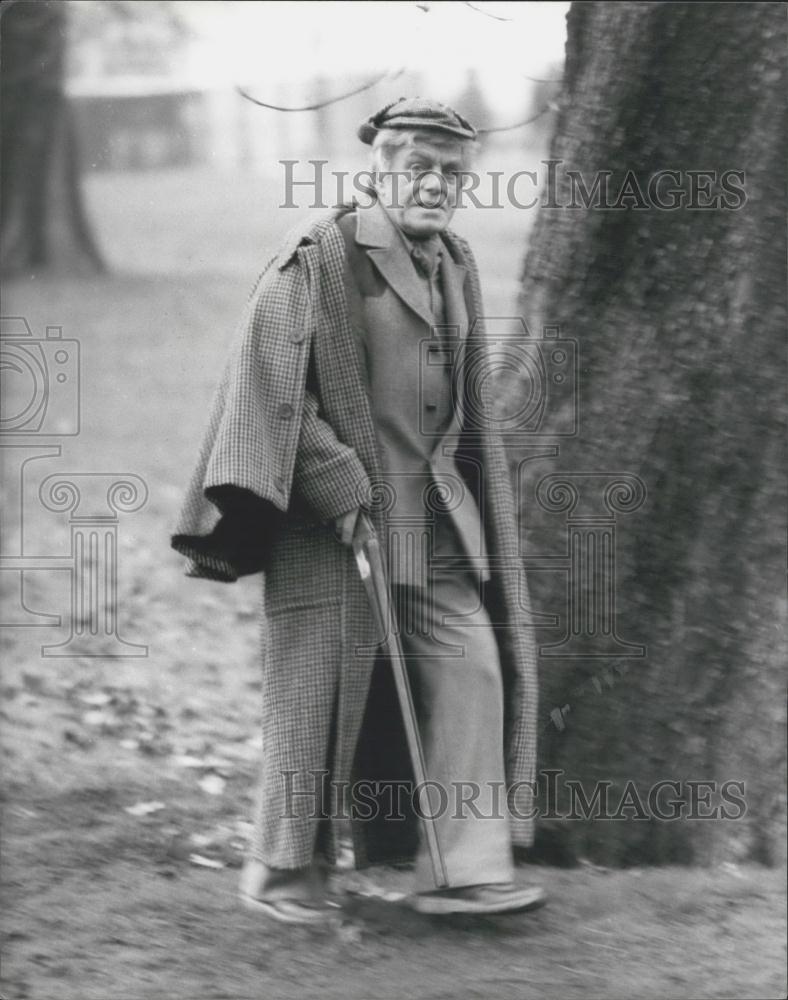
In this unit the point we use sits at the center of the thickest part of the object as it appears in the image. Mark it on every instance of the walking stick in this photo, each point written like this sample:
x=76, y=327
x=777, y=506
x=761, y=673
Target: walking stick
x=366, y=549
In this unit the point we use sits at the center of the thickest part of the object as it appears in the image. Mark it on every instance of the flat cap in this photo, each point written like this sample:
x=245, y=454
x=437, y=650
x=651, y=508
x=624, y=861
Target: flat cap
x=416, y=112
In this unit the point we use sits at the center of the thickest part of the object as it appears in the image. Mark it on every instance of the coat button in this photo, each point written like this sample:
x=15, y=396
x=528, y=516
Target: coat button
x=285, y=412
x=296, y=336
x=279, y=484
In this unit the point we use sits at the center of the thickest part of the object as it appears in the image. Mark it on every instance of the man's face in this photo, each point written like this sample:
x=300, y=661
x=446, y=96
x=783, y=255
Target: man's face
x=421, y=186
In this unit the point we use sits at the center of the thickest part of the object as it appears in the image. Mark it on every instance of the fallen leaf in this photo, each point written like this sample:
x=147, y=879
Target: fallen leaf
x=212, y=763
x=144, y=808
x=186, y=760
x=97, y=717
x=212, y=784
x=201, y=862
x=97, y=699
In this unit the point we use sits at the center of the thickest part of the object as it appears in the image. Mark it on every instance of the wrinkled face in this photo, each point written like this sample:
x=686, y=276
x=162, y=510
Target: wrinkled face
x=421, y=186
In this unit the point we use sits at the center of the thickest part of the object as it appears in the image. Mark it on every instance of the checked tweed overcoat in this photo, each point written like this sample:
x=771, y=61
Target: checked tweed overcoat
x=291, y=445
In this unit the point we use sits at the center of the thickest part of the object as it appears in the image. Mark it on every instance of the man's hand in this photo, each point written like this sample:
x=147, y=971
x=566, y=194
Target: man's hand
x=345, y=526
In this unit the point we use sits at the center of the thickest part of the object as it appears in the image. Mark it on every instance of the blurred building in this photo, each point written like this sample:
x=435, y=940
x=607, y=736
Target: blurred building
x=137, y=104
x=152, y=91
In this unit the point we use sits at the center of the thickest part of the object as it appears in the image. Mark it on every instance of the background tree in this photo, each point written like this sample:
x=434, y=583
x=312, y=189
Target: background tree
x=680, y=317
x=43, y=221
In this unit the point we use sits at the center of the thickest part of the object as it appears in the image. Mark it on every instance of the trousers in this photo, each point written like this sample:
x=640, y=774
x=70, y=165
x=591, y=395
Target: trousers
x=454, y=669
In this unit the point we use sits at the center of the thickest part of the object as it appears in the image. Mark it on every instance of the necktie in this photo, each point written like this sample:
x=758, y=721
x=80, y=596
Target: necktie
x=426, y=260
x=423, y=263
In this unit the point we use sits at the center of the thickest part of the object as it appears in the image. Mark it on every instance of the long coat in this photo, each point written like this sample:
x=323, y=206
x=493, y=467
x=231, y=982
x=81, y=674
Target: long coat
x=290, y=445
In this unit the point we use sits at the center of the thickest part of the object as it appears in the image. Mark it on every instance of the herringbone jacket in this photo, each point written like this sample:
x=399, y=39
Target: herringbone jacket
x=290, y=445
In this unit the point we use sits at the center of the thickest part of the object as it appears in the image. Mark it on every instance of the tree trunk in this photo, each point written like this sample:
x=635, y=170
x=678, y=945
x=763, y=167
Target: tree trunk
x=43, y=222
x=679, y=315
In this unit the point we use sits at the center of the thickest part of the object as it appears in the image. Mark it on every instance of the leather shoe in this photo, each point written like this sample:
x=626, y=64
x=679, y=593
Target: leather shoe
x=492, y=898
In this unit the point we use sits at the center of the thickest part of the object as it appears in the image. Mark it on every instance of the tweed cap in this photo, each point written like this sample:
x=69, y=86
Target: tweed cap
x=416, y=112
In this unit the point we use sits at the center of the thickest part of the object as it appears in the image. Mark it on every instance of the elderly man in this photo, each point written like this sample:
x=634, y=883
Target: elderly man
x=354, y=387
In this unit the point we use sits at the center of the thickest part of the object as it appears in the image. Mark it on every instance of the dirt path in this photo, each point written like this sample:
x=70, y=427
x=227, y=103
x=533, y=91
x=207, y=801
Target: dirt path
x=105, y=904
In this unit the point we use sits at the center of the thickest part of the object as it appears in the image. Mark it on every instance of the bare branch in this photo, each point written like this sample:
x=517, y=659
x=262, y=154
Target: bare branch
x=487, y=13
x=322, y=104
x=527, y=121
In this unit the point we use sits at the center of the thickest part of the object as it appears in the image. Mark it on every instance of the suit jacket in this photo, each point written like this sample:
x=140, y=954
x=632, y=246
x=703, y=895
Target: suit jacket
x=413, y=377
x=291, y=443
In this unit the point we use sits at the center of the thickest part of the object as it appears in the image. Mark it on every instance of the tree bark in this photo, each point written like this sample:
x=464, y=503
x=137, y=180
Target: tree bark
x=679, y=315
x=43, y=222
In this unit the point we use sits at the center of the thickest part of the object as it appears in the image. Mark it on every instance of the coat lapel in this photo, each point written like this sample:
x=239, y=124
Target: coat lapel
x=388, y=253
